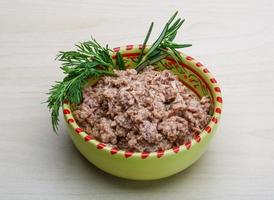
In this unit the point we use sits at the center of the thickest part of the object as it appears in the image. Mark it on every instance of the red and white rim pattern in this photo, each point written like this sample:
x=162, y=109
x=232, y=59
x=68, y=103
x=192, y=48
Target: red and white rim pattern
x=214, y=89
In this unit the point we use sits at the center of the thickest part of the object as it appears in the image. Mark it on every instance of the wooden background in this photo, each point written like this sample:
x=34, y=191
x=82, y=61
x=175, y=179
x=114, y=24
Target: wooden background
x=233, y=38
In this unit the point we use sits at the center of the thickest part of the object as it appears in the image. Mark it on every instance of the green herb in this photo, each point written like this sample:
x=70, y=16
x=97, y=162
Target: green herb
x=120, y=61
x=91, y=60
x=164, y=45
x=145, y=42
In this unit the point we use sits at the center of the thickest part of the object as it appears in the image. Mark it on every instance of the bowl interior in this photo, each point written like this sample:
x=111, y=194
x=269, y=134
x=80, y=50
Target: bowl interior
x=190, y=72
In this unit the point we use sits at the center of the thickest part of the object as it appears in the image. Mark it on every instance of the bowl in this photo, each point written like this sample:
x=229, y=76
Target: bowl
x=154, y=165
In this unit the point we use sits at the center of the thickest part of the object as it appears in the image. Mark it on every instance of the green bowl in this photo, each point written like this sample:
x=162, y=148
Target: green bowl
x=155, y=165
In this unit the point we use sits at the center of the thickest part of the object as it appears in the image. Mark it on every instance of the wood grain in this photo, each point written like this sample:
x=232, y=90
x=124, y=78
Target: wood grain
x=234, y=39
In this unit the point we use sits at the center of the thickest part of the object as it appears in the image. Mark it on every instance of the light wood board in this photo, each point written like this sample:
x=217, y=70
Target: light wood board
x=233, y=38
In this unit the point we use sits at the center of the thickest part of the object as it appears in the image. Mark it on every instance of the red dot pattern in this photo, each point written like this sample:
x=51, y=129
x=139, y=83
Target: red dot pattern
x=213, y=80
x=129, y=47
x=114, y=151
x=176, y=149
x=208, y=129
x=219, y=99
x=144, y=155
x=218, y=110
x=189, y=58
x=116, y=49
x=88, y=138
x=66, y=111
x=128, y=154
x=160, y=154
x=205, y=70
x=198, y=64
x=79, y=130
x=215, y=120
x=217, y=89
x=70, y=120
x=197, y=138
x=101, y=145
x=188, y=145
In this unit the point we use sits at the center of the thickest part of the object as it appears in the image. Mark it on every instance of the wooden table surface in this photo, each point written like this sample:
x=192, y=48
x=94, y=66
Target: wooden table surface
x=233, y=38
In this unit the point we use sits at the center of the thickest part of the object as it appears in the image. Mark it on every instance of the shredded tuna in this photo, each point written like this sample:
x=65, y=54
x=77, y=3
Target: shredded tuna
x=149, y=111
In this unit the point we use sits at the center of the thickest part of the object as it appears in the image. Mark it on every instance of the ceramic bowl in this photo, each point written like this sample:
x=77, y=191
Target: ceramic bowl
x=155, y=165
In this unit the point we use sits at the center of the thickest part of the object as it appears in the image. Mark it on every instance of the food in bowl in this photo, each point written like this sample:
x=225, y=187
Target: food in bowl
x=91, y=64
x=149, y=111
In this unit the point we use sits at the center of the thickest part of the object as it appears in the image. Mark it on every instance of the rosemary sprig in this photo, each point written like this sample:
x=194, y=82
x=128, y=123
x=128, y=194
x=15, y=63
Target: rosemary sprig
x=164, y=45
x=90, y=59
x=145, y=43
x=120, y=61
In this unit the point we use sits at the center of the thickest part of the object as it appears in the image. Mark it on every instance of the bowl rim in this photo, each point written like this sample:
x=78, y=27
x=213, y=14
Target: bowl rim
x=217, y=102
